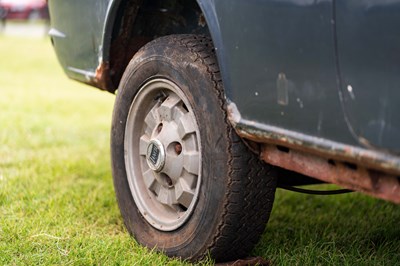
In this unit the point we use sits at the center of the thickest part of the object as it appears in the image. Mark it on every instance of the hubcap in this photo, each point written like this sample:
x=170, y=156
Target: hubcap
x=155, y=155
x=162, y=154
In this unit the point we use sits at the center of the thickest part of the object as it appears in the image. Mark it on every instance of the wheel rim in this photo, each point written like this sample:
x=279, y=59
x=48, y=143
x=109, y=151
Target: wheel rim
x=162, y=154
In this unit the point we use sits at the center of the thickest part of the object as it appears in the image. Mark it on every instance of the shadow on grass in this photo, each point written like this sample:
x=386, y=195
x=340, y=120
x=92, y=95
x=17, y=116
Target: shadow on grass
x=342, y=230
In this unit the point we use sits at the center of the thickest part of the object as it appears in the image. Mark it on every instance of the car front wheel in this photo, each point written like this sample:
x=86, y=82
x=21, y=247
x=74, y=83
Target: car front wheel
x=185, y=182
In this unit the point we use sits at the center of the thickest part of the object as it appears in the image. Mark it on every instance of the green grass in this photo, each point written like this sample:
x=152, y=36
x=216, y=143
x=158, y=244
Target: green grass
x=57, y=204
x=350, y=229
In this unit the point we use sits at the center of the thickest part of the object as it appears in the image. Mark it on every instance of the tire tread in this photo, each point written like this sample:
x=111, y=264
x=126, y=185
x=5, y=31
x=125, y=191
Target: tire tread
x=251, y=183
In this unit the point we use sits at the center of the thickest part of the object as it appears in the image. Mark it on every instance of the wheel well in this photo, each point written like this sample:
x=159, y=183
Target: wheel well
x=139, y=22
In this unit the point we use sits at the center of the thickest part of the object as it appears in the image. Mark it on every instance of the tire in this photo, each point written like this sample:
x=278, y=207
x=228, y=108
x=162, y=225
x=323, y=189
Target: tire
x=170, y=133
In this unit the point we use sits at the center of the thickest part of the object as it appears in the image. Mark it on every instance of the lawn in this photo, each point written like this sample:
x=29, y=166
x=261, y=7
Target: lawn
x=57, y=204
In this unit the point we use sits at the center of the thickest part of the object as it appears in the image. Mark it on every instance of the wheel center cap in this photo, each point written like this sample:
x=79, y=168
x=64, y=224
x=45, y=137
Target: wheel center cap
x=155, y=155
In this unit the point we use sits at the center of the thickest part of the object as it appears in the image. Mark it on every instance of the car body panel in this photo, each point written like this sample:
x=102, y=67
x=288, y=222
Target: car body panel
x=281, y=65
x=79, y=45
x=369, y=54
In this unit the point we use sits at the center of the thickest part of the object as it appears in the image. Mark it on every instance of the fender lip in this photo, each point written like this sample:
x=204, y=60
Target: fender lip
x=101, y=78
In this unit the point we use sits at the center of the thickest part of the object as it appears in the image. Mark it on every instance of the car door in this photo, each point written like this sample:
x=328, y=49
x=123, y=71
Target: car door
x=279, y=65
x=368, y=42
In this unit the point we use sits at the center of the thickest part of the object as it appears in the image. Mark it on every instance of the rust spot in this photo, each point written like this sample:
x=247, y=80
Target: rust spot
x=123, y=47
x=102, y=79
x=233, y=113
x=202, y=20
x=374, y=183
x=371, y=159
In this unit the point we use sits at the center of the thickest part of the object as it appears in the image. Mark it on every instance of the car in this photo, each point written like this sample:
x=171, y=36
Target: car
x=219, y=102
x=24, y=9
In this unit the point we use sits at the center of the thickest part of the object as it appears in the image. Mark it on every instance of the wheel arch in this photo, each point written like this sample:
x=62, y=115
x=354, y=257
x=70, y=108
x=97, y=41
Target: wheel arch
x=131, y=24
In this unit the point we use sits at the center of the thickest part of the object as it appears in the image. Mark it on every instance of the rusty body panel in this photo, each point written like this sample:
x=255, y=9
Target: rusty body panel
x=122, y=48
x=128, y=26
x=371, y=182
x=373, y=159
x=325, y=148
x=102, y=78
x=374, y=172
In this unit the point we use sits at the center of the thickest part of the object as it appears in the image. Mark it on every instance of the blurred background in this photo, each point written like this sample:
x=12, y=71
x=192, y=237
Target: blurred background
x=23, y=9
x=57, y=204
x=32, y=11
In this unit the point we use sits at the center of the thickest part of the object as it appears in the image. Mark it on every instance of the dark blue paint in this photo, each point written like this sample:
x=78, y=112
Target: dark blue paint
x=286, y=64
x=265, y=39
x=369, y=58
